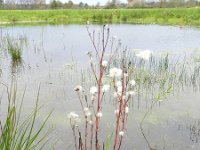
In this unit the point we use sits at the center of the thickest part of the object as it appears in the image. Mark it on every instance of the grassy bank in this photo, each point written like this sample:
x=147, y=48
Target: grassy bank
x=172, y=16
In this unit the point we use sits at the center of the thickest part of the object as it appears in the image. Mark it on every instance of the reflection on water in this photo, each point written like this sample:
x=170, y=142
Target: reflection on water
x=56, y=54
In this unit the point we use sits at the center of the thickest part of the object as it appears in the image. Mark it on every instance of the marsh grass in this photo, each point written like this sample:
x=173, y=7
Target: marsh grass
x=172, y=16
x=14, y=49
x=17, y=133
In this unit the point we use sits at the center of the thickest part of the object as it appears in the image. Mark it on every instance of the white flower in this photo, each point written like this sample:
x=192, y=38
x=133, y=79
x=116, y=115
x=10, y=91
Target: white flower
x=86, y=109
x=116, y=111
x=115, y=72
x=104, y=63
x=93, y=98
x=125, y=75
x=105, y=88
x=90, y=122
x=132, y=82
x=87, y=112
x=73, y=115
x=126, y=110
x=121, y=133
x=93, y=90
x=74, y=118
x=99, y=114
x=78, y=88
x=146, y=54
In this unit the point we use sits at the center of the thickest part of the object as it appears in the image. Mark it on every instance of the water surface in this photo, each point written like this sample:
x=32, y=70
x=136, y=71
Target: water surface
x=54, y=57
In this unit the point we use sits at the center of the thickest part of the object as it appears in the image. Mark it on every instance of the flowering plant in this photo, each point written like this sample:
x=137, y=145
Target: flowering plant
x=120, y=85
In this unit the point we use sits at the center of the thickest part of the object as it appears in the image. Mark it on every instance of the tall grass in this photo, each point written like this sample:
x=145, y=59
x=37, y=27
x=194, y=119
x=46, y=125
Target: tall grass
x=173, y=16
x=14, y=48
x=19, y=133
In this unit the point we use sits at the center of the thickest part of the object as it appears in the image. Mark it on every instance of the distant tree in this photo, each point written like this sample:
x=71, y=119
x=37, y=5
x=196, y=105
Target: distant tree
x=113, y=4
x=86, y=5
x=97, y=5
x=55, y=4
x=1, y=2
x=176, y=3
x=134, y=2
x=70, y=3
x=40, y=1
x=81, y=5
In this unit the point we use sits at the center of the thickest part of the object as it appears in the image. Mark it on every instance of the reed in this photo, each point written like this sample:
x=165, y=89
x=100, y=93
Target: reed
x=19, y=133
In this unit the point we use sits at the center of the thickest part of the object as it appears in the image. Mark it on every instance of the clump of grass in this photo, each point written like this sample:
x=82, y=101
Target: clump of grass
x=14, y=49
x=17, y=134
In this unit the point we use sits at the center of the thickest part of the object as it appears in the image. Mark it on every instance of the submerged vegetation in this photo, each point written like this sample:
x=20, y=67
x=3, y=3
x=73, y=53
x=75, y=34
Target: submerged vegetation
x=171, y=16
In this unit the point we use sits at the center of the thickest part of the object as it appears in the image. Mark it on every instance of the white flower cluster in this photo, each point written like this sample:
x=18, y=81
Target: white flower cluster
x=99, y=114
x=93, y=90
x=121, y=133
x=115, y=72
x=87, y=112
x=105, y=88
x=78, y=88
x=74, y=118
x=104, y=63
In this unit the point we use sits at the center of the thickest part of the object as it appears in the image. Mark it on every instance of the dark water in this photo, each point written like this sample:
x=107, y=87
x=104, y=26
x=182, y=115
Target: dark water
x=54, y=58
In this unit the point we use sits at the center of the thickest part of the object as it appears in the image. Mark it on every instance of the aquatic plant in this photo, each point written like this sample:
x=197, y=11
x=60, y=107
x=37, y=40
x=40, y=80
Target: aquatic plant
x=125, y=75
x=19, y=133
x=14, y=49
x=92, y=109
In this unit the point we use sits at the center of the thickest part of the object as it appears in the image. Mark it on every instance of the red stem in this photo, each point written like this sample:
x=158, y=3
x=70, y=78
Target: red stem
x=91, y=139
x=120, y=112
x=86, y=133
x=74, y=135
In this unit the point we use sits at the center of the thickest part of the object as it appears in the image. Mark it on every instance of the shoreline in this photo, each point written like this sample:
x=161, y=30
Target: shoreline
x=161, y=16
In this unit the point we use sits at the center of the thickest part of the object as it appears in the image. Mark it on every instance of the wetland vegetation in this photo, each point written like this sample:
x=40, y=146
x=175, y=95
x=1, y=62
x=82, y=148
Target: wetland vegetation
x=114, y=80
x=120, y=84
x=166, y=16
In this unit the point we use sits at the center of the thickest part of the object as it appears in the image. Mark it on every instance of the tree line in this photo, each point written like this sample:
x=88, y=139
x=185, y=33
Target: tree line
x=57, y=4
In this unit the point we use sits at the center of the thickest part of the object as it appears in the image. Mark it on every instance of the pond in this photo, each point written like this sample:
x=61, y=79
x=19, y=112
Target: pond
x=54, y=56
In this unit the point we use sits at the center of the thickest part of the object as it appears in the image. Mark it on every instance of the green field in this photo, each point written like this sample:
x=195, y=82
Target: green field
x=171, y=16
